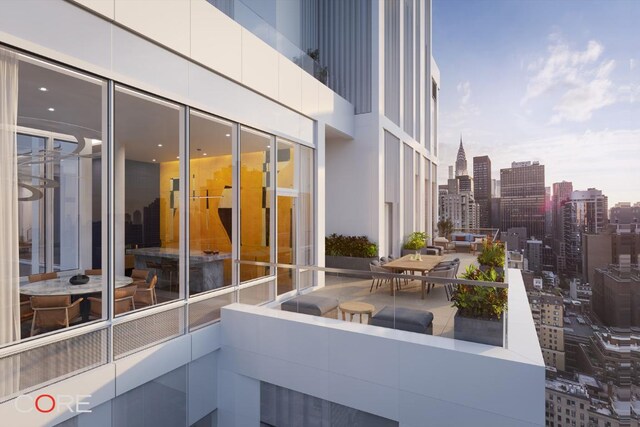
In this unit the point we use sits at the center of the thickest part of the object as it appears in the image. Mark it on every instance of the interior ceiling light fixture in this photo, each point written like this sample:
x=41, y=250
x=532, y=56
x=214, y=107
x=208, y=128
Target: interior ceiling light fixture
x=51, y=109
x=43, y=89
x=159, y=145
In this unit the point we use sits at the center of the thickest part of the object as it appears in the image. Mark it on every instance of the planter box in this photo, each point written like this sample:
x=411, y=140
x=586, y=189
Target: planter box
x=478, y=330
x=348, y=263
x=499, y=270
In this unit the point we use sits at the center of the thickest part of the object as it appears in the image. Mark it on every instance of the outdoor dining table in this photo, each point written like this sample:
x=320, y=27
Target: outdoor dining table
x=406, y=263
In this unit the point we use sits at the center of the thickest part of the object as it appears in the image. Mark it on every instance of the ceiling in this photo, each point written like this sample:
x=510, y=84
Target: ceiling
x=142, y=122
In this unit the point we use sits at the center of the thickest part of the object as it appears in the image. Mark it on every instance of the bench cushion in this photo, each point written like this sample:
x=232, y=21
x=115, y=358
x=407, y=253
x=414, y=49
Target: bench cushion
x=310, y=304
x=406, y=319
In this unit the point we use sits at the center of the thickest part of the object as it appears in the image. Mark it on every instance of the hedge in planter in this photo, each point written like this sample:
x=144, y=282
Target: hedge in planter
x=349, y=252
x=352, y=246
x=480, y=314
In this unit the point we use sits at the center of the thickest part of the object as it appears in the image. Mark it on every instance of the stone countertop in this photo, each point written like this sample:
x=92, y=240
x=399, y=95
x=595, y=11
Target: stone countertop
x=174, y=253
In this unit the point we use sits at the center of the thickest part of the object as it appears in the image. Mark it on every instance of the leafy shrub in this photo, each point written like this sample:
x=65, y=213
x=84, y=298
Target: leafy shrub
x=480, y=301
x=416, y=240
x=353, y=246
x=492, y=255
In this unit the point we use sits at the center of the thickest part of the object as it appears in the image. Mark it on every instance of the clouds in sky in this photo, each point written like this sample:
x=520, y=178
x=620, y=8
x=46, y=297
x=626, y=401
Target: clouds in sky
x=579, y=80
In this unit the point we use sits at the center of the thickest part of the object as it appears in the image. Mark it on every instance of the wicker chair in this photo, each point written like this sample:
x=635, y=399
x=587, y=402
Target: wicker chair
x=54, y=312
x=123, y=301
x=145, y=294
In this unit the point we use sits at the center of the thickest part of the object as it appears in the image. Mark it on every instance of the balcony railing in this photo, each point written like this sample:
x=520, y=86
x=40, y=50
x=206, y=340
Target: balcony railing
x=364, y=295
x=252, y=21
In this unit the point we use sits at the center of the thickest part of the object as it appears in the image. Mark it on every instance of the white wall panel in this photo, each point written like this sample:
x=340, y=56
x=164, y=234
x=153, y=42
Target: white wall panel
x=146, y=365
x=165, y=21
x=103, y=7
x=290, y=83
x=149, y=66
x=373, y=369
x=310, y=88
x=35, y=26
x=259, y=65
x=216, y=40
x=203, y=386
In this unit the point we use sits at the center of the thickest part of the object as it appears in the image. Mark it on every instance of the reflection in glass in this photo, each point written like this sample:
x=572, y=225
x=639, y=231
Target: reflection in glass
x=147, y=170
x=306, y=224
x=210, y=202
x=51, y=132
x=255, y=202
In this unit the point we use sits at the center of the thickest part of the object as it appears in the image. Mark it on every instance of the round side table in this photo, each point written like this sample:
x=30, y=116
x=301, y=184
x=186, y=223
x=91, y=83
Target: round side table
x=355, y=307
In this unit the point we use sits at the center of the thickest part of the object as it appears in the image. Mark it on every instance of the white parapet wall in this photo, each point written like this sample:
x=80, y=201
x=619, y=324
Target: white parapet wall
x=412, y=378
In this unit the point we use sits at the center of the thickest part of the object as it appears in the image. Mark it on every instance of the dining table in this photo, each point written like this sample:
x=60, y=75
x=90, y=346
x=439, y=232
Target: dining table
x=61, y=286
x=408, y=263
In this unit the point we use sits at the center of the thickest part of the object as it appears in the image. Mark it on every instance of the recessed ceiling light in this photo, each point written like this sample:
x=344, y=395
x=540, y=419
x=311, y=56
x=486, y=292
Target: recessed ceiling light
x=228, y=135
x=204, y=154
x=177, y=157
x=159, y=145
x=43, y=89
x=95, y=142
x=51, y=109
x=153, y=160
x=268, y=146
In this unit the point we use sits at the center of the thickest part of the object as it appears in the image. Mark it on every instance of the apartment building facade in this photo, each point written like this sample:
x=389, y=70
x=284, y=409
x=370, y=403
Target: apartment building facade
x=183, y=137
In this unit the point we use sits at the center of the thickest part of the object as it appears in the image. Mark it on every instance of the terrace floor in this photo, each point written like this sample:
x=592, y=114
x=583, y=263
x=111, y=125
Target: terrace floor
x=357, y=289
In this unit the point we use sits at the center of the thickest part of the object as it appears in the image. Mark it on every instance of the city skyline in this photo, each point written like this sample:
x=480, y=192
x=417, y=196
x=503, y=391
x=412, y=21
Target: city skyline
x=556, y=82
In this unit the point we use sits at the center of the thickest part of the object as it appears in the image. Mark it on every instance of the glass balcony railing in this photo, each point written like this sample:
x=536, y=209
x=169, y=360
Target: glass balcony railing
x=426, y=295
x=252, y=21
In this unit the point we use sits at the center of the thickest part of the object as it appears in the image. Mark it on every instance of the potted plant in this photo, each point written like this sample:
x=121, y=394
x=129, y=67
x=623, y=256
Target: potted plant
x=349, y=252
x=492, y=256
x=445, y=228
x=415, y=242
x=480, y=315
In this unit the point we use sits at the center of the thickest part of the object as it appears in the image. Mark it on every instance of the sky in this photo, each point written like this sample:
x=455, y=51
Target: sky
x=557, y=81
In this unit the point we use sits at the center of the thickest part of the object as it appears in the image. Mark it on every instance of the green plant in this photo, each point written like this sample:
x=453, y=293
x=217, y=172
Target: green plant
x=492, y=255
x=353, y=246
x=445, y=227
x=416, y=240
x=484, y=302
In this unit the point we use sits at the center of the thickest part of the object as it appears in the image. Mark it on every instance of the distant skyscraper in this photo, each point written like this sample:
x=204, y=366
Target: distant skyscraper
x=584, y=213
x=625, y=213
x=461, y=161
x=522, y=198
x=482, y=188
x=561, y=192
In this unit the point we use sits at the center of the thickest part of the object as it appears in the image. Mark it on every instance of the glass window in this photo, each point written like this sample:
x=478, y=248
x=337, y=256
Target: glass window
x=256, y=199
x=306, y=212
x=210, y=200
x=51, y=134
x=148, y=133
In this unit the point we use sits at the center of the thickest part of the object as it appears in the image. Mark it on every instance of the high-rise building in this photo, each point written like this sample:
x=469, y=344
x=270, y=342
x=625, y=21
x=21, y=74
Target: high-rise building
x=483, y=188
x=461, y=161
x=522, y=198
x=533, y=254
x=604, y=248
x=625, y=213
x=561, y=192
x=585, y=212
x=615, y=297
x=548, y=317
